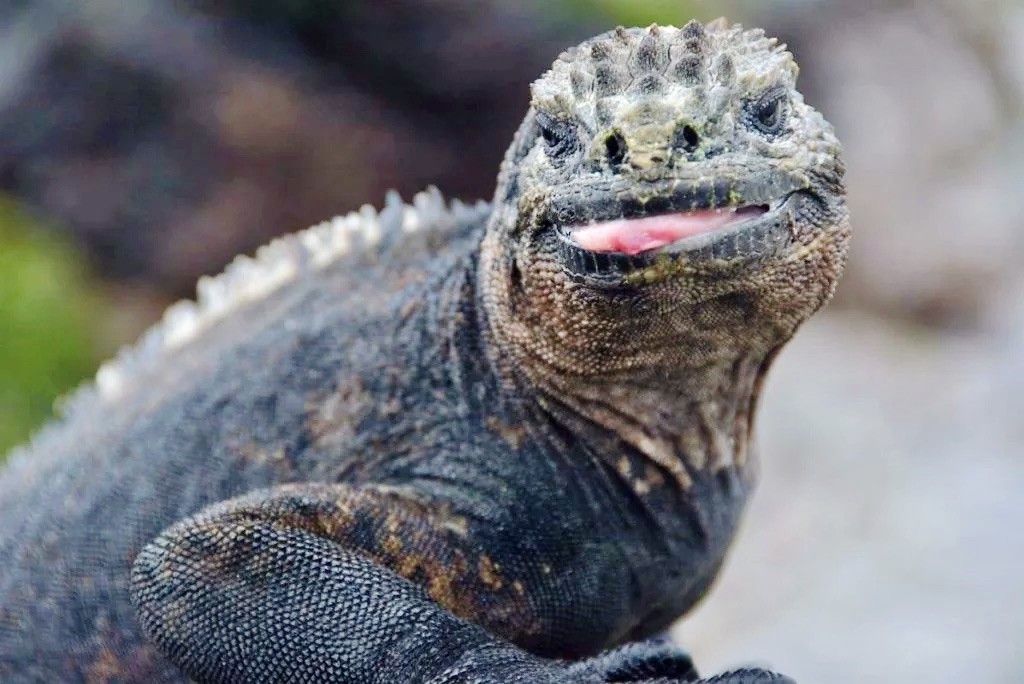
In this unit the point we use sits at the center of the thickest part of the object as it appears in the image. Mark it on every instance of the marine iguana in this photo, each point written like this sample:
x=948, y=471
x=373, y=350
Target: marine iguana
x=449, y=443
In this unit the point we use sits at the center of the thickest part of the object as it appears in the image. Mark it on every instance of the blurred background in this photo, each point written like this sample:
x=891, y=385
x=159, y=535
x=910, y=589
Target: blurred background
x=144, y=144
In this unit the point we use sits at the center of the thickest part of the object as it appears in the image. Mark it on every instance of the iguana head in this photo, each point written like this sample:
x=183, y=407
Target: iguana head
x=670, y=203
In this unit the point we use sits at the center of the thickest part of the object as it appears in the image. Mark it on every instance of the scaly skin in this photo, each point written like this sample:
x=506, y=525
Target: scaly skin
x=474, y=453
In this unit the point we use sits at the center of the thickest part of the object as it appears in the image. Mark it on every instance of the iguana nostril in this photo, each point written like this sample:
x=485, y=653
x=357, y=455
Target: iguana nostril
x=615, y=148
x=687, y=138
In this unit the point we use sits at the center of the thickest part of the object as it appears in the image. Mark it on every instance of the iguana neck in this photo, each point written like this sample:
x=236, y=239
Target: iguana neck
x=666, y=380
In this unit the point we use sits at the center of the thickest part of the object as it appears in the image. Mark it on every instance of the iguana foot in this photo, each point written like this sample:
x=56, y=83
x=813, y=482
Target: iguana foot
x=279, y=585
x=659, y=661
x=641, y=661
x=747, y=676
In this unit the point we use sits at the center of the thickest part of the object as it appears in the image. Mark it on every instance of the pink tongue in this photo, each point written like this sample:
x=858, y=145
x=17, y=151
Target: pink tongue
x=633, y=236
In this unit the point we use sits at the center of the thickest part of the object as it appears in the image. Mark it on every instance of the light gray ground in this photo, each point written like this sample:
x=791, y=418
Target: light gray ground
x=885, y=542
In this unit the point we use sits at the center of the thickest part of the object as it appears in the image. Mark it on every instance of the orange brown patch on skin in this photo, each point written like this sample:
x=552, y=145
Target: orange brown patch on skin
x=448, y=580
x=412, y=538
x=653, y=477
x=392, y=544
x=333, y=420
x=441, y=586
x=390, y=526
x=274, y=456
x=118, y=659
x=420, y=542
x=450, y=522
x=514, y=619
x=105, y=669
x=329, y=526
x=442, y=580
x=490, y=573
x=514, y=436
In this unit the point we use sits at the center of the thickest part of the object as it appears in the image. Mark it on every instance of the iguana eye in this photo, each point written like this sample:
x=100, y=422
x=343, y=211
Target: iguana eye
x=560, y=136
x=768, y=113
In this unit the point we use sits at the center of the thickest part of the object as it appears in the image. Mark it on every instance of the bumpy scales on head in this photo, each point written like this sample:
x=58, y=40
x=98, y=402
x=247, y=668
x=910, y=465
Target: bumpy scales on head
x=652, y=122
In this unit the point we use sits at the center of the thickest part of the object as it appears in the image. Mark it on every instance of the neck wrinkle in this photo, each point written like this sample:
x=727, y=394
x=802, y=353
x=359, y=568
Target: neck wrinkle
x=682, y=434
x=681, y=401
x=686, y=422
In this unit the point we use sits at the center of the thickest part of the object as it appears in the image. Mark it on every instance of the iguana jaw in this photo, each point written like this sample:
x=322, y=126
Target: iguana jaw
x=700, y=224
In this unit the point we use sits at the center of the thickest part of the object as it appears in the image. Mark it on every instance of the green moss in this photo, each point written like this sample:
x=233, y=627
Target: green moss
x=46, y=324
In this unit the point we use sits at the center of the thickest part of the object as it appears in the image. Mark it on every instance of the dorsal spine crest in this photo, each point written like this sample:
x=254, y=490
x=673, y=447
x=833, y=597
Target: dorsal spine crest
x=249, y=279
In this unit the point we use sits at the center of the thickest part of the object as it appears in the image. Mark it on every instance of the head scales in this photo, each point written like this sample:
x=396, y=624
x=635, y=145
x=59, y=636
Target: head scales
x=713, y=65
x=674, y=104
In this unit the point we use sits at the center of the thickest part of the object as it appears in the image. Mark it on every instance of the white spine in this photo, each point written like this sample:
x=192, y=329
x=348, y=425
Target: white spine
x=249, y=279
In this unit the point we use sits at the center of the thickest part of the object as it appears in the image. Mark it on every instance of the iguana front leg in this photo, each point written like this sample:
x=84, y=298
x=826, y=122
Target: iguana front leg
x=332, y=583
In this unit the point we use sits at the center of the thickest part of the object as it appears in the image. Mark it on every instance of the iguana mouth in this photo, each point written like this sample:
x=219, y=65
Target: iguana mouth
x=664, y=231
x=651, y=233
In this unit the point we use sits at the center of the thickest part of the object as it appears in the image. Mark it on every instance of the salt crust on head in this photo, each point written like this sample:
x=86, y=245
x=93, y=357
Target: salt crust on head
x=659, y=60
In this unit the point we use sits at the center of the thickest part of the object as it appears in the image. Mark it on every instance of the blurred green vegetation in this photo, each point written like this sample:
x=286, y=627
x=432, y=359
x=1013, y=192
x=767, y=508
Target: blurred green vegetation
x=639, y=12
x=47, y=324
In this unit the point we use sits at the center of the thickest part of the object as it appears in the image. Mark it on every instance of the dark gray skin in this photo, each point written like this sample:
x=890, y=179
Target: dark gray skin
x=467, y=450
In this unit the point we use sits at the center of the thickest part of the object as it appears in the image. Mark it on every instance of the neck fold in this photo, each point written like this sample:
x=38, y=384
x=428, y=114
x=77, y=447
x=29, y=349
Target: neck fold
x=677, y=381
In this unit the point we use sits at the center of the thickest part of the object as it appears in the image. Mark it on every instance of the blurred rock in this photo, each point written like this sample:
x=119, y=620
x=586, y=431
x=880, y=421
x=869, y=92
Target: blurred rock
x=928, y=100
x=170, y=136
